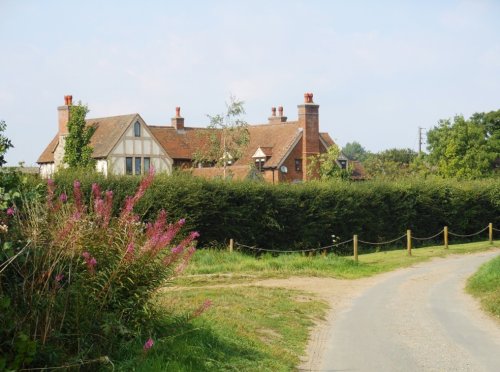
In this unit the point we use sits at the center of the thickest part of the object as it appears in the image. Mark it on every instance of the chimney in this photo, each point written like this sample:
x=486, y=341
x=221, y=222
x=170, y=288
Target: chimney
x=63, y=113
x=178, y=121
x=277, y=119
x=309, y=122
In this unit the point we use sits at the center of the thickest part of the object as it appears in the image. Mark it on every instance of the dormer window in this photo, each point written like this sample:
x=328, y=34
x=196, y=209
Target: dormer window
x=137, y=129
x=343, y=163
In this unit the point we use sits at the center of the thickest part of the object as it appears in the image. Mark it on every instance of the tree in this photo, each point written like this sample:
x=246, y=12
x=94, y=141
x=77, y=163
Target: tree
x=326, y=165
x=226, y=138
x=465, y=148
x=77, y=149
x=391, y=163
x=354, y=151
x=5, y=143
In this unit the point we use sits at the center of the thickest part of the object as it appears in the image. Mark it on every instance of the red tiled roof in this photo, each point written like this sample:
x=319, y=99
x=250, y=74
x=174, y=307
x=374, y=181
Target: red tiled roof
x=236, y=172
x=180, y=144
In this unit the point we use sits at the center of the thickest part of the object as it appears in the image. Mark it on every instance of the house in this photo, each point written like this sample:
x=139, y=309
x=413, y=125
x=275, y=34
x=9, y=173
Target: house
x=278, y=149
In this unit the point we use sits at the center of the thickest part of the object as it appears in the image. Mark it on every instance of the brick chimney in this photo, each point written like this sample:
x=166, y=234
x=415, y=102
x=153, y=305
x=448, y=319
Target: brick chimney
x=273, y=119
x=63, y=114
x=178, y=121
x=309, y=122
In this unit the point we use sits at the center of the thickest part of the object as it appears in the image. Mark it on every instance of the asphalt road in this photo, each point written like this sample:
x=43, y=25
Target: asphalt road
x=418, y=319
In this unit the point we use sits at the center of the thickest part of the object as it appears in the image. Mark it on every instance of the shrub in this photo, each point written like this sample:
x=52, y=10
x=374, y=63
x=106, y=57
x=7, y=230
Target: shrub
x=76, y=279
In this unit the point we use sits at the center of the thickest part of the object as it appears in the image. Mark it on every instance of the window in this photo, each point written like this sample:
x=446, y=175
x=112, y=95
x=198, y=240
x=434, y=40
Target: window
x=298, y=165
x=138, y=165
x=137, y=129
x=147, y=165
x=343, y=164
x=128, y=165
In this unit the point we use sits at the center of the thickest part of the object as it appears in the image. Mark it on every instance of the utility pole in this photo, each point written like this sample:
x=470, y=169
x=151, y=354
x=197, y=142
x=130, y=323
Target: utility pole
x=420, y=140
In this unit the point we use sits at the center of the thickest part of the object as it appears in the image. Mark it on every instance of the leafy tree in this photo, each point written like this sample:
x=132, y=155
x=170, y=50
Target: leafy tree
x=77, y=151
x=5, y=143
x=391, y=163
x=465, y=148
x=226, y=138
x=354, y=151
x=326, y=165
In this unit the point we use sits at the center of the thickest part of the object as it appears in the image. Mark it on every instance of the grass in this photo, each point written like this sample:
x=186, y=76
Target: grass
x=250, y=328
x=247, y=329
x=485, y=285
x=219, y=267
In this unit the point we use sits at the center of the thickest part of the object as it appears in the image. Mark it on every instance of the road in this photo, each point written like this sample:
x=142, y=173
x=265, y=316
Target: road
x=417, y=319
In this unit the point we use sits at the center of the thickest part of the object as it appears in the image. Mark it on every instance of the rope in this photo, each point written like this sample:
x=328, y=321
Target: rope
x=495, y=229
x=381, y=243
x=295, y=251
x=467, y=235
x=430, y=237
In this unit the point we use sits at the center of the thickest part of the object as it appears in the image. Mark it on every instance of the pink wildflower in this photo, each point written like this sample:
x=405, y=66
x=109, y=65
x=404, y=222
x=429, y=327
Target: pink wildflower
x=59, y=277
x=11, y=211
x=148, y=344
x=63, y=198
x=90, y=262
x=201, y=309
x=51, y=187
x=77, y=192
x=130, y=202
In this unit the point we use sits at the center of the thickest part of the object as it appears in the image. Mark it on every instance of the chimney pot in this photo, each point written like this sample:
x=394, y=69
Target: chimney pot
x=273, y=111
x=280, y=110
x=308, y=98
x=177, y=112
x=68, y=100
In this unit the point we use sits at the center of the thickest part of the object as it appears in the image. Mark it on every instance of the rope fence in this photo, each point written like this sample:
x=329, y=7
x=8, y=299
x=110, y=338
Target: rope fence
x=356, y=241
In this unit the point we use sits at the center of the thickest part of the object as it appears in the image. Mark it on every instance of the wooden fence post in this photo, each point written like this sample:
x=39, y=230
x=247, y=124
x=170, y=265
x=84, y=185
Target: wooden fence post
x=355, y=247
x=231, y=245
x=324, y=253
x=408, y=241
x=490, y=230
x=445, y=233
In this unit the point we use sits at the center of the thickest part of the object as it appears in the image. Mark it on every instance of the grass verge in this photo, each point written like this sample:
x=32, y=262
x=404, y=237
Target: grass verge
x=247, y=329
x=485, y=285
x=219, y=267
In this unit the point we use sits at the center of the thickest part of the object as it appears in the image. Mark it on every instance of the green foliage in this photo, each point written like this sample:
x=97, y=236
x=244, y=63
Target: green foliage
x=306, y=215
x=5, y=143
x=226, y=137
x=77, y=151
x=354, y=151
x=485, y=284
x=77, y=280
x=465, y=148
x=390, y=164
x=327, y=167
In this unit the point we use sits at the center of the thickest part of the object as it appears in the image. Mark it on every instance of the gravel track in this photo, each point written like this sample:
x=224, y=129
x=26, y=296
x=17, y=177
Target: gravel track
x=414, y=319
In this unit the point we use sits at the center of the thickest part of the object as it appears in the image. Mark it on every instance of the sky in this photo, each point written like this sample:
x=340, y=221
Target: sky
x=378, y=69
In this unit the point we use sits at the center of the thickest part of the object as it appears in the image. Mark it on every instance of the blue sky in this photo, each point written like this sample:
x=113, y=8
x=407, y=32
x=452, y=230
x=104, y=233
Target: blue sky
x=378, y=69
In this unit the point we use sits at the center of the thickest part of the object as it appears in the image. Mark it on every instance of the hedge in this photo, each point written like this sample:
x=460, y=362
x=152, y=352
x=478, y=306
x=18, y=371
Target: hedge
x=306, y=215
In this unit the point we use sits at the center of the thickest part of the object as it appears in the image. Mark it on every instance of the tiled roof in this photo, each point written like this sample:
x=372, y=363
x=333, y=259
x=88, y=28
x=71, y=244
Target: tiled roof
x=108, y=132
x=180, y=144
x=358, y=171
x=276, y=139
x=236, y=172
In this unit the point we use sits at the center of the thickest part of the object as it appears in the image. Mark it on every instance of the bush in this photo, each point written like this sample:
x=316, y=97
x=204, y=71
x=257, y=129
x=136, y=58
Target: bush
x=306, y=215
x=75, y=280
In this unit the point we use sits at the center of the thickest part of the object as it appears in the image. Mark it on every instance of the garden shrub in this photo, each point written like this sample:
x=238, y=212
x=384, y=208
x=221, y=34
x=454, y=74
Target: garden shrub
x=76, y=279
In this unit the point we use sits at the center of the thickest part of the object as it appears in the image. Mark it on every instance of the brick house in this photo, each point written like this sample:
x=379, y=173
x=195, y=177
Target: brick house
x=125, y=144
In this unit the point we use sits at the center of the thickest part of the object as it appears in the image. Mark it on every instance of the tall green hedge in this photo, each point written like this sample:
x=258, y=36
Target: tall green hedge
x=306, y=215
